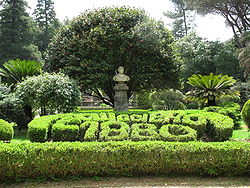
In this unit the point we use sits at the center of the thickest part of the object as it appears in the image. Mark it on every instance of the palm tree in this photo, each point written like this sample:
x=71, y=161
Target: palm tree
x=212, y=87
x=15, y=71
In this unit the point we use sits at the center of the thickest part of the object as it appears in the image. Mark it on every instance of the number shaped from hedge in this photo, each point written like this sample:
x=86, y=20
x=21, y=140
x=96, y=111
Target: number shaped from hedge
x=114, y=130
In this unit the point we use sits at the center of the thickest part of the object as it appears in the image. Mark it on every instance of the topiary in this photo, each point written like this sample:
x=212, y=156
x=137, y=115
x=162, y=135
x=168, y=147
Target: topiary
x=246, y=113
x=6, y=130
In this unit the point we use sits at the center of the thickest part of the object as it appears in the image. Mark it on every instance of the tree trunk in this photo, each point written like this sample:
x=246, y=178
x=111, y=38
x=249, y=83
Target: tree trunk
x=211, y=101
x=28, y=116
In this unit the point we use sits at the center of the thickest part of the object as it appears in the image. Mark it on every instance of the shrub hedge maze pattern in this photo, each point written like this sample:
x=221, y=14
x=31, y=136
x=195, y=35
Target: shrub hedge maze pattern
x=159, y=125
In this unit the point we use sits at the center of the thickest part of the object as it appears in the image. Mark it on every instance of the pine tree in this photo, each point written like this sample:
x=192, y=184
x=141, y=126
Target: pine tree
x=182, y=18
x=45, y=18
x=16, y=32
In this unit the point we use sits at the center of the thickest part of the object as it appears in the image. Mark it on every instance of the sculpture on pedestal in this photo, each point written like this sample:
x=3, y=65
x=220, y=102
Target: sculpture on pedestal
x=121, y=90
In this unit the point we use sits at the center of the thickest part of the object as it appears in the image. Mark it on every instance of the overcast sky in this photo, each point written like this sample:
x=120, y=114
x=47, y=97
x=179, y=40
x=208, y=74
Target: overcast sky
x=211, y=27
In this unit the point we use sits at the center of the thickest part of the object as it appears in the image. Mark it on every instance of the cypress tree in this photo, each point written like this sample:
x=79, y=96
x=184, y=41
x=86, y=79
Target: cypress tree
x=16, y=32
x=45, y=18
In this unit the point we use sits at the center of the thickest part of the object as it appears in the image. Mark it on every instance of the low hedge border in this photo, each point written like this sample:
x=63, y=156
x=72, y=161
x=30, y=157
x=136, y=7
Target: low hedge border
x=78, y=159
x=217, y=126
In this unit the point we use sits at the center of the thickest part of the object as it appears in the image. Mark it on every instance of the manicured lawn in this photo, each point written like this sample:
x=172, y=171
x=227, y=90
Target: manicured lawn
x=241, y=134
x=20, y=136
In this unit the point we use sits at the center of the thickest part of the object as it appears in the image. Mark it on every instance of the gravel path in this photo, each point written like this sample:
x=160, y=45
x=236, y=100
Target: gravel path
x=138, y=182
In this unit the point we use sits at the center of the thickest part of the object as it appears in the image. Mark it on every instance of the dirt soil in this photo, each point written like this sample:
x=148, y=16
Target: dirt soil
x=137, y=182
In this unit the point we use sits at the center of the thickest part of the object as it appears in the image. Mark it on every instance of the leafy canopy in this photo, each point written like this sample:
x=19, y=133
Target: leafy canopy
x=211, y=87
x=49, y=93
x=92, y=46
x=199, y=56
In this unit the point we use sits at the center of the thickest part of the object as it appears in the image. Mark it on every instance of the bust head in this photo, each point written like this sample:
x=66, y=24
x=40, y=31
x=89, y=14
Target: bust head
x=121, y=77
x=120, y=69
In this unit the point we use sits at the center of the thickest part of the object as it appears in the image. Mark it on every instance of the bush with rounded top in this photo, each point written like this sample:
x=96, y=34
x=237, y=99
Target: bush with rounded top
x=6, y=130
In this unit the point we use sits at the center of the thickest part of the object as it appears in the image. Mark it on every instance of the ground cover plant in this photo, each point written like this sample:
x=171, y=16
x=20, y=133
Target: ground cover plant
x=108, y=126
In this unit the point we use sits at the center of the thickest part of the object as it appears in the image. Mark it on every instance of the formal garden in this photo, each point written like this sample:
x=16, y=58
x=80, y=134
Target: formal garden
x=189, y=114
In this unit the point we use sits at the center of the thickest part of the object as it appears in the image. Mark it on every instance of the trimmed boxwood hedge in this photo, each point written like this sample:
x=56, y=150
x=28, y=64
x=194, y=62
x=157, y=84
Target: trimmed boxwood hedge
x=6, y=130
x=177, y=133
x=126, y=158
x=216, y=126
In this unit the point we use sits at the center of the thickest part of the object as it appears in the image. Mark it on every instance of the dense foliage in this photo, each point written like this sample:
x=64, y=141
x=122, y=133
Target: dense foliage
x=11, y=108
x=16, y=32
x=64, y=159
x=232, y=110
x=136, y=127
x=210, y=88
x=246, y=113
x=92, y=46
x=49, y=93
x=45, y=18
x=243, y=54
x=168, y=100
x=200, y=56
x=6, y=131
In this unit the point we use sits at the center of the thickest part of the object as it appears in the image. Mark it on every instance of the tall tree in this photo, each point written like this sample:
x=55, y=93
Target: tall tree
x=244, y=54
x=45, y=18
x=183, y=18
x=96, y=43
x=236, y=13
x=200, y=56
x=16, y=32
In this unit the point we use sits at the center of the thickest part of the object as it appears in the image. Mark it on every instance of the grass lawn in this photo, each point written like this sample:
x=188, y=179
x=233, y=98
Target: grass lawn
x=242, y=133
x=20, y=137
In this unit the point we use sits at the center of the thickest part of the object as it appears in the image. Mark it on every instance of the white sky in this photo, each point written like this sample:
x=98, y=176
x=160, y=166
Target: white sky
x=211, y=27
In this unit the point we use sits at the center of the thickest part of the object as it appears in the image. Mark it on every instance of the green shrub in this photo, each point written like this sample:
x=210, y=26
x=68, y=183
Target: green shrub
x=6, y=131
x=168, y=100
x=107, y=117
x=220, y=128
x=11, y=108
x=89, y=131
x=197, y=122
x=177, y=133
x=114, y=130
x=123, y=118
x=62, y=132
x=228, y=109
x=39, y=128
x=246, y=113
x=144, y=131
x=73, y=159
x=216, y=126
x=139, y=118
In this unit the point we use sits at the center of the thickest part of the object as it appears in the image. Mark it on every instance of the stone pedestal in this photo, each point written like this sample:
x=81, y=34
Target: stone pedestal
x=121, y=97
